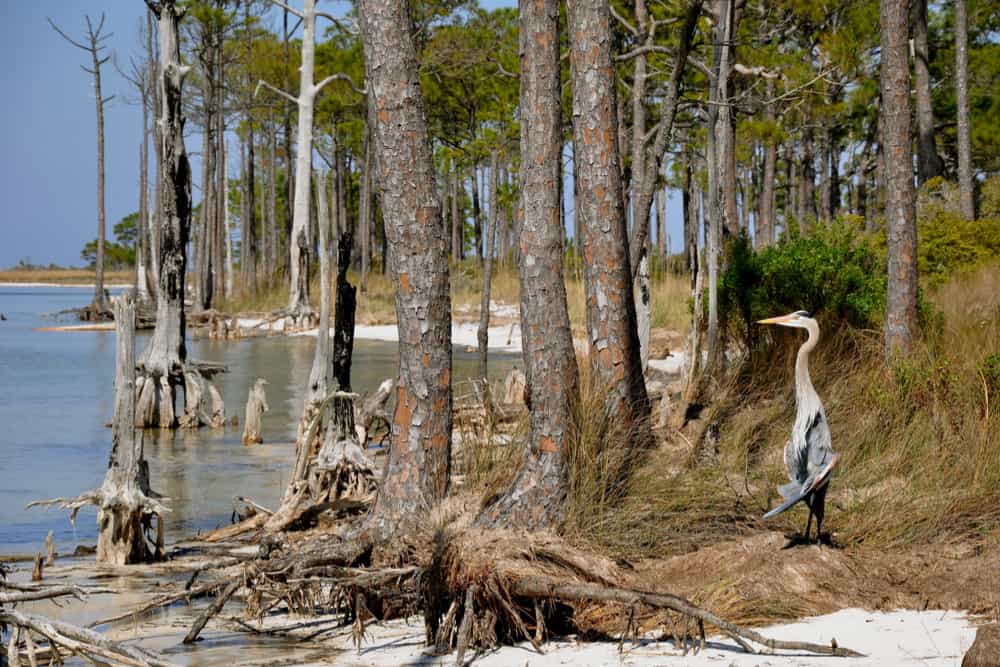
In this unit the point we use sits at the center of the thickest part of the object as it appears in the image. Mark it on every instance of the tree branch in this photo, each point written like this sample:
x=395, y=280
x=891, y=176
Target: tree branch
x=277, y=91
x=88, y=49
x=338, y=77
x=621, y=19
x=288, y=9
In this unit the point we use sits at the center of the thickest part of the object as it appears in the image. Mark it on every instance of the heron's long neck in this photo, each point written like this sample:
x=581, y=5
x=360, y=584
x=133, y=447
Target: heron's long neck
x=805, y=394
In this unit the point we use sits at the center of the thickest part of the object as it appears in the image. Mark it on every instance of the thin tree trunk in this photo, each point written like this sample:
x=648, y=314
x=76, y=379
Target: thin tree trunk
x=477, y=221
x=615, y=357
x=765, y=224
x=365, y=206
x=929, y=164
x=287, y=137
x=457, y=224
x=667, y=114
x=225, y=221
x=661, y=223
x=965, y=185
x=482, y=335
x=536, y=495
x=419, y=462
x=250, y=241
x=901, y=231
x=154, y=127
x=299, y=307
x=99, y=304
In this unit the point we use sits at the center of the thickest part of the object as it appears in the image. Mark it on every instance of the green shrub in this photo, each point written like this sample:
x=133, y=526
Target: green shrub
x=946, y=242
x=837, y=274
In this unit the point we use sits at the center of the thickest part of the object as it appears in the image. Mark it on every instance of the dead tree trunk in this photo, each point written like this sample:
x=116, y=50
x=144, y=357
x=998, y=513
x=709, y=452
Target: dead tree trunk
x=901, y=228
x=126, y=505
x=256, y=407
x=419, y=463
x=482, y=335
x=536, y=495
x=163, y=365
x=764, y=232
x=94, y=45
x=615, y=356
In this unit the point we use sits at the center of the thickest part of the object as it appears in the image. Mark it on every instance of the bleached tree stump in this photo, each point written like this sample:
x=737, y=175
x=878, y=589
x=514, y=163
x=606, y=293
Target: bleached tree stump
x=256, y=407
x=513, y=387
x=126, y=504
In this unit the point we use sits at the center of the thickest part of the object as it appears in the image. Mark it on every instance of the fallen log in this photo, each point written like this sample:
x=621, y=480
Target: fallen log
x=74, y=639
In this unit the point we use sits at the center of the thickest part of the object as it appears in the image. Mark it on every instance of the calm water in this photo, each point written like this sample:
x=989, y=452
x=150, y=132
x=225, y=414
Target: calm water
x=56, y=391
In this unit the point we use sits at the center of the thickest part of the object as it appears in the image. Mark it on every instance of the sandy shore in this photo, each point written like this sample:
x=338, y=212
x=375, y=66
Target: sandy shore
x=930, y=638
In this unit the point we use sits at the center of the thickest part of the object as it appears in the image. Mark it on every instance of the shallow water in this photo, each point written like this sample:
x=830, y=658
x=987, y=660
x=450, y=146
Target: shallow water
x=56, y=391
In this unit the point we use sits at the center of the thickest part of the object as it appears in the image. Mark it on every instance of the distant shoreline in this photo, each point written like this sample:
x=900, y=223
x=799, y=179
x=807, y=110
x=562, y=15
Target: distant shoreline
x=15, y=283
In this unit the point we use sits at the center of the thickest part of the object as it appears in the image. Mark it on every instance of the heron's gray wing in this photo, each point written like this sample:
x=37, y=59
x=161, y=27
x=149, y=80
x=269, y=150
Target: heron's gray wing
x=819, y=450
x=794, y=495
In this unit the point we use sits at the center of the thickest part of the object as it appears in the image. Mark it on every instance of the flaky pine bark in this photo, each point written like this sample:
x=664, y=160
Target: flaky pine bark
x=94, y=45
x=611, y=311
x=418, y=466
x=536, y=496
x=163, y=359
x=965, y=193
x=901, y=297
x=928, y=162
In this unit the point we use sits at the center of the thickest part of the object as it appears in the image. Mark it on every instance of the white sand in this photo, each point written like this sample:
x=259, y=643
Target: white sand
x=930, y=638
x=506, y=338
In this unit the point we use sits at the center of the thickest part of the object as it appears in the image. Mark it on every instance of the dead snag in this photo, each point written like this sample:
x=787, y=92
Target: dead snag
x=330, y=462
x=126, y=503
x=256, y=407
x=164, y=367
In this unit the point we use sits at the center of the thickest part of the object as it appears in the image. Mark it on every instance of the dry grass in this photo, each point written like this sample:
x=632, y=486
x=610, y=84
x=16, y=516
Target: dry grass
x=64, y=276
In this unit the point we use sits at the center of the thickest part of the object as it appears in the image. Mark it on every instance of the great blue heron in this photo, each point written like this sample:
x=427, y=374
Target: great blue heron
x=809, y=456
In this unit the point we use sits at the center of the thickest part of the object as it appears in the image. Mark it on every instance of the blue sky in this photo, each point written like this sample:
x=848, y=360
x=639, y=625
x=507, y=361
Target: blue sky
x=48, y=182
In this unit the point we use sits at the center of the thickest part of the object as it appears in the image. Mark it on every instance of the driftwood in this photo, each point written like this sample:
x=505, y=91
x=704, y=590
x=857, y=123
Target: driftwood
x=74, y=639
x=126, y=504
x=256, y=407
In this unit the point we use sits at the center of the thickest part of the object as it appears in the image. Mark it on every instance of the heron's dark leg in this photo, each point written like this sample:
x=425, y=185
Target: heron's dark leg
x=819, y=507
x=809, y=504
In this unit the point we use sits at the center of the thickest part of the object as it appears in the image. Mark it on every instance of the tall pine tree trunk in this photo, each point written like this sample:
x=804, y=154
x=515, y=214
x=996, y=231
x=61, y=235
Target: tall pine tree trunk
x=901, y=230
x=419, y=463
x=965, y=185
x=536, y=495
x=611, y=312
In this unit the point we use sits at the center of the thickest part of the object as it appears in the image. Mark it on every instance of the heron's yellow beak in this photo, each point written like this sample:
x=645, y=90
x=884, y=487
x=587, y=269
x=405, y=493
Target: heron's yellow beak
x=777, y=320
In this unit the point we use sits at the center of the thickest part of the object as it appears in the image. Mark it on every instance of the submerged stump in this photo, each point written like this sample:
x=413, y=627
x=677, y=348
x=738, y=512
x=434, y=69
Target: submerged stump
x=256, y=407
